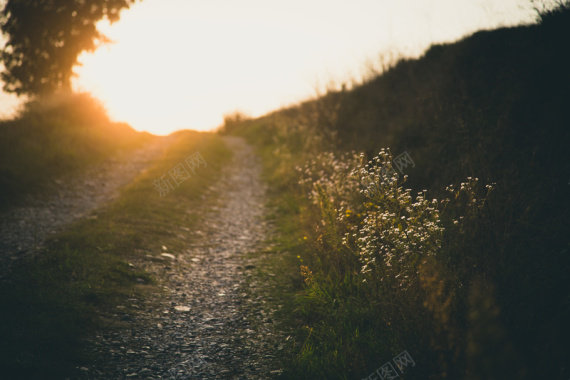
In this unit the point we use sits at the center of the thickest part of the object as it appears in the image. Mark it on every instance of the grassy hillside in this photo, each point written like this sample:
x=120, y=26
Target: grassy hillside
x=471, y=275
x=57, y=137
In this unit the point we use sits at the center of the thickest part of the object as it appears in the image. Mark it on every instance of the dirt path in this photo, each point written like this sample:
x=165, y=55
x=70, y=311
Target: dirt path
x=208, y=325
x=24, y=229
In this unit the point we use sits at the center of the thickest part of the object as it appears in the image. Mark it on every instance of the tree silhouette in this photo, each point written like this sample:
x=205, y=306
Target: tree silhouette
x=45, y=37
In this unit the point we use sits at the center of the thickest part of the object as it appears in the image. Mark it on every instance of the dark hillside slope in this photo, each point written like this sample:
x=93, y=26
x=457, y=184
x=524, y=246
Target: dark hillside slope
x=491, y=93
x=495, y=106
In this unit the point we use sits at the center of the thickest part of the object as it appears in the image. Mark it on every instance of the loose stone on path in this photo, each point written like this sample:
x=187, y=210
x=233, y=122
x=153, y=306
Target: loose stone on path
x=202, y=327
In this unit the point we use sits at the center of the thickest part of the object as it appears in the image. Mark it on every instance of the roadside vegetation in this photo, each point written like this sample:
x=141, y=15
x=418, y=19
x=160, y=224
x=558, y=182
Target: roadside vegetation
x=52, y=302
x=460, y=257
x=57, y=137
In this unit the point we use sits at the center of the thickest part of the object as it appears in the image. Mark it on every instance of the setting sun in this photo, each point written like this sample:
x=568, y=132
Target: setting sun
x=177, y=64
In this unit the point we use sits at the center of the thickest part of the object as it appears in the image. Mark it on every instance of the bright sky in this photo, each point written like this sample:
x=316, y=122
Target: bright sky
x=185, y=63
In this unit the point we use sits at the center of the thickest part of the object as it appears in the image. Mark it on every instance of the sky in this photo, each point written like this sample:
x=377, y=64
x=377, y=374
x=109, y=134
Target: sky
x=183, y=64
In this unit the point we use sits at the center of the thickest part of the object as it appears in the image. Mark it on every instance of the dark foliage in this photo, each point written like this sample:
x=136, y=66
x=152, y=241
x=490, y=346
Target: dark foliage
x=45, y=37
x=493, y=106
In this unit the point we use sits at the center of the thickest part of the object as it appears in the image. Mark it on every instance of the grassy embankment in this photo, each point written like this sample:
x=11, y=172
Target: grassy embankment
x=474, y=285
x=51, y=303
x=55, y=138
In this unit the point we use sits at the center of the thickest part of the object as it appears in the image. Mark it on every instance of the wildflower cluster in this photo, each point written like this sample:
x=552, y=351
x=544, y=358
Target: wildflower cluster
x=366, y=212
x=465, y=201
x=372, y=215
x=330, y=186
x=398, y=231
x=331, y=174
x=378, y=175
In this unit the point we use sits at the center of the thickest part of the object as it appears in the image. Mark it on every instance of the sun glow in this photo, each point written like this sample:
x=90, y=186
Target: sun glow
x=183, y=64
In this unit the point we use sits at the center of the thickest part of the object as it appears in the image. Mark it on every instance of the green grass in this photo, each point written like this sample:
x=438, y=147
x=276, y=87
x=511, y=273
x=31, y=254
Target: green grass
x=55, y=138
x=492, y=303
x=52, y=302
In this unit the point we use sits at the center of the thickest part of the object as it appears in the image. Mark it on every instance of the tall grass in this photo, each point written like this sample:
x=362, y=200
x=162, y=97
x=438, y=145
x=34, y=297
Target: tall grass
x=55, y=137
x=463, y=262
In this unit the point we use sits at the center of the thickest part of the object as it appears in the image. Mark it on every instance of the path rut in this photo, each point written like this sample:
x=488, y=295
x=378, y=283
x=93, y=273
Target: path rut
x=24, y=229
x=210, y=323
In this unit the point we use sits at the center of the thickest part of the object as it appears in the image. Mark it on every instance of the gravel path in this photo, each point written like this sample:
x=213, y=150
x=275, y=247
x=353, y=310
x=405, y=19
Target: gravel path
x=24, y=229
x=209, y=323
